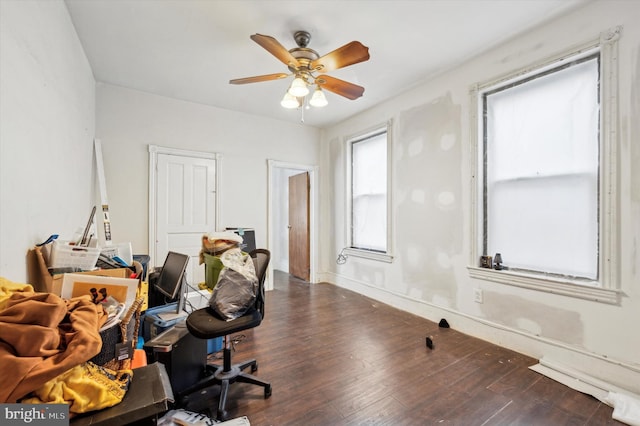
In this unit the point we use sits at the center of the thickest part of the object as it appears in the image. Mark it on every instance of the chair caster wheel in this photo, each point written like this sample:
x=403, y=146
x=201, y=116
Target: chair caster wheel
x=267, y=391
x=254, y=367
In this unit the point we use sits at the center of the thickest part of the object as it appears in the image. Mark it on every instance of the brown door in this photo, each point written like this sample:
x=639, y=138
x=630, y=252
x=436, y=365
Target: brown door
x=299, y=262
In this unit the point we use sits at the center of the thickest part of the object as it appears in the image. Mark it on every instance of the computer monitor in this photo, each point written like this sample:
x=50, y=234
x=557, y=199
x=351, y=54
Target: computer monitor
x=170, y=282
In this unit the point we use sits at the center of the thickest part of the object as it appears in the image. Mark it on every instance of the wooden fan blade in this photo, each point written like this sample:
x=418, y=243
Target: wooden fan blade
x=274, y=47
x=259, y=78
x=349, y=54
x=340, y=87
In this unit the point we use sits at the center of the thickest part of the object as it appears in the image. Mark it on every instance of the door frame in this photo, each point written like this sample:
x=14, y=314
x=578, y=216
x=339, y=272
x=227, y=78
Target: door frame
x=154, y=151
x=313, y=186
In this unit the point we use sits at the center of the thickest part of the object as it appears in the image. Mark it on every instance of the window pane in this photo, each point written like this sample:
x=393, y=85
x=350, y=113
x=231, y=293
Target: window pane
x=369, y=193
x=370, y=166
x=370, y=222
x=543, y=224
x=542, y=172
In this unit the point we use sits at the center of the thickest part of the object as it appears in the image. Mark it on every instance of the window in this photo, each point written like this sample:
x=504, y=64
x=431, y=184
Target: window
x=544, y=184
x=368, y=173
x=541, y=171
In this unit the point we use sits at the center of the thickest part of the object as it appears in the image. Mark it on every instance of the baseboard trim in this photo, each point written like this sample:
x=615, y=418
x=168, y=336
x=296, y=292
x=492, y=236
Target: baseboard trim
x=626, y=405
x=578, y=380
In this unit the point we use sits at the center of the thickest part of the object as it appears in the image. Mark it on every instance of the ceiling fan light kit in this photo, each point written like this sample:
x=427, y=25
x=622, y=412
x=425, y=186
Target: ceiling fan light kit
x=318, y=99
x=289, y=101
x=298, y=88
x=304, y=63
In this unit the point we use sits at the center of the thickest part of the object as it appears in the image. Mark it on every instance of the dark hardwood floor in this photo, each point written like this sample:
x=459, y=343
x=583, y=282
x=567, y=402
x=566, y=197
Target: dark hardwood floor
x=335, y=357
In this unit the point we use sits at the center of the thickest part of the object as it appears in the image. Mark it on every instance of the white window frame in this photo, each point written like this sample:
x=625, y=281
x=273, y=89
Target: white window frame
x=606, y=287
x=349, y=141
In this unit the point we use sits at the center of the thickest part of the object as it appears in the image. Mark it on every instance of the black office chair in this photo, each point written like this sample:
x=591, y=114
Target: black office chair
x=205, y=324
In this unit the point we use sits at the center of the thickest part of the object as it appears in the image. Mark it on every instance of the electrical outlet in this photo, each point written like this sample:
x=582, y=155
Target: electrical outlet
x=477, y=295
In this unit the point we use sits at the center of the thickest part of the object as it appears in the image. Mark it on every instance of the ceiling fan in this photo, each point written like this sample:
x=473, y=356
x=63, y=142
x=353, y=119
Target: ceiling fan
x=310, y=69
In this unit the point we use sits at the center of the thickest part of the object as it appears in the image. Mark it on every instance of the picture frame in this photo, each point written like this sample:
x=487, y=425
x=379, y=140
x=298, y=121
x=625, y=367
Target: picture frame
x=99, y=288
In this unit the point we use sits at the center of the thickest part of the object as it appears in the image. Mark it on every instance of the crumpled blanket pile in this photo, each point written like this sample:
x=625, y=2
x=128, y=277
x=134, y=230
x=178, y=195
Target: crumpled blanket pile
x=43, y=336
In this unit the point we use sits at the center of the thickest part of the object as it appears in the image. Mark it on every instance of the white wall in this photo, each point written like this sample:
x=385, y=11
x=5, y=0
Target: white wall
x=432, y=239
x=128, y=121
x=47, y=111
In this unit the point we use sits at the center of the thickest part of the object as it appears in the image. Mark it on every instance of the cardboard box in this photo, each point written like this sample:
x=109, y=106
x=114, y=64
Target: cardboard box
x=37, y=271
x=56, y=284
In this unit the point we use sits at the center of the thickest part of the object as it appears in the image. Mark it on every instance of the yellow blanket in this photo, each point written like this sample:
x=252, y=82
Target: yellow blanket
x=86, y=387
x=7, y=288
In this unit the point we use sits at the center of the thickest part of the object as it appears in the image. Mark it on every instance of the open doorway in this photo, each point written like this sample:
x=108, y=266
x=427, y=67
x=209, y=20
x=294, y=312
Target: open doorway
x=278, y=216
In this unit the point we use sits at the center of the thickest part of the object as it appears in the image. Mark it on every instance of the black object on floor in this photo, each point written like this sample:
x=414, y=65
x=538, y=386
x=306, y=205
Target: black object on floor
x=429, y=342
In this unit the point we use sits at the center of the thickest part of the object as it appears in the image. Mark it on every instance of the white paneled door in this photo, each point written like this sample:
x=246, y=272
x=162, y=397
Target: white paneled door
x=185, y=208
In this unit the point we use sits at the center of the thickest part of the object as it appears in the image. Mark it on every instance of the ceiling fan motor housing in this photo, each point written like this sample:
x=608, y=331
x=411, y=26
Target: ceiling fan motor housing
x=302, y=53
x=302, y=38
x=304, y=56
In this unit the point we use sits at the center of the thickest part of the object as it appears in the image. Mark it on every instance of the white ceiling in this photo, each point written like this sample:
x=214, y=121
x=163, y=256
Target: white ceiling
x=190, y=49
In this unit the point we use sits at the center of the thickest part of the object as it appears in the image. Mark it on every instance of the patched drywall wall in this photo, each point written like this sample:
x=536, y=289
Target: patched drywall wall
x=433, y=209
x=334, y=208
x=534, y=317
x=428, y=212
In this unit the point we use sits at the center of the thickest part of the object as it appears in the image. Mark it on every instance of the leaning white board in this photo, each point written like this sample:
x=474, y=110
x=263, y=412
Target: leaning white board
x=103, y=192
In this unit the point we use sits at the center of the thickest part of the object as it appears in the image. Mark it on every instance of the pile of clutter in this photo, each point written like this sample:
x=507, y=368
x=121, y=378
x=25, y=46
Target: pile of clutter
x=216, y=243
x=219, y=249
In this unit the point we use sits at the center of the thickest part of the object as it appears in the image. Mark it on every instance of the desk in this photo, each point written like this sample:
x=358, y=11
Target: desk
x=148, y=397
x=183, y=355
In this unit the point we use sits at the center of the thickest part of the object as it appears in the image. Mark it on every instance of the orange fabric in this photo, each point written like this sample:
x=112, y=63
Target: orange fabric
x=139, y=358
x=41, y=337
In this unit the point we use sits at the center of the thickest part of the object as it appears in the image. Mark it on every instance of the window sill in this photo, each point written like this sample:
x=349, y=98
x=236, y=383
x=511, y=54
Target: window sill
x=547, y=284
x=372, y=255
